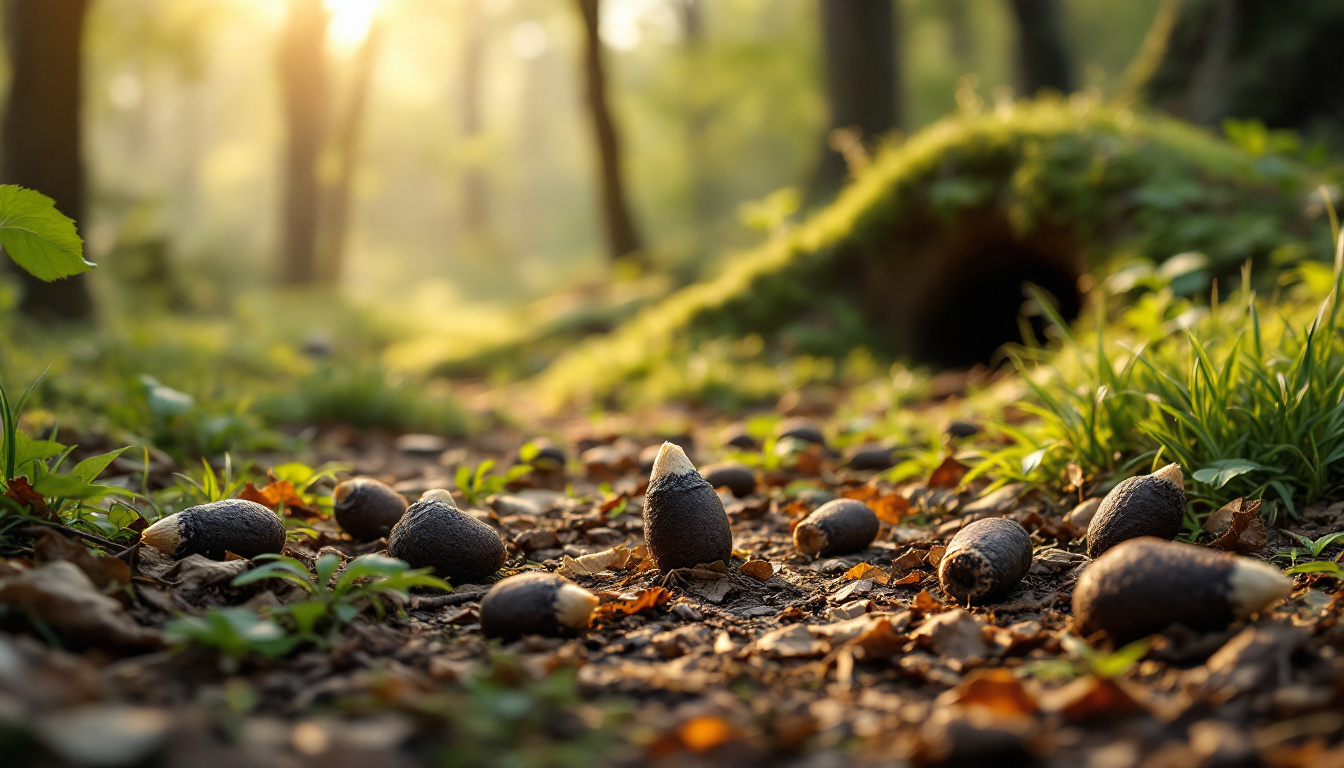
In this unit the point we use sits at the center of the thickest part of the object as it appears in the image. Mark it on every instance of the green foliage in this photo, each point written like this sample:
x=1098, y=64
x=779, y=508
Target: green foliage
x=477, y=483
x=39, y=238
x=1327, y=567
x=1319, y=545
x=1122, y=183
x=363, y=582
x=508, y=720
x=70, y=497
x=235, y=632
x=1107, y=665
x=1250, y=402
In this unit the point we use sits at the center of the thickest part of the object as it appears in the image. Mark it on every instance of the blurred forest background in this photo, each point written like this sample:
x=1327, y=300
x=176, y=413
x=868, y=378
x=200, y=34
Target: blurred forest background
x=472, y=176
x=462, y=166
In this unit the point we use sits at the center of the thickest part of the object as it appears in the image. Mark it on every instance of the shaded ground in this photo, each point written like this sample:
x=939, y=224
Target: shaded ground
x=781, y=660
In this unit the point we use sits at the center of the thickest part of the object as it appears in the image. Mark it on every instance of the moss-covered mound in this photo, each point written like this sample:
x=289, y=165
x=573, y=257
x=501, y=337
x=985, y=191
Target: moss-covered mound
x=925, y=254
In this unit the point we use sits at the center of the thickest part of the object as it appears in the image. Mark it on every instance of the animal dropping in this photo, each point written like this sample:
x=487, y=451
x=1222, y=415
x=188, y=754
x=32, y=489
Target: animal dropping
x=434, y=533
x=535, y=604
x=684, y=521
x=735, y=477
x=367, y=509
x=985, y=560
x=1144, y=585
x=245, y=528
x=1147, y=505
x=836, y=528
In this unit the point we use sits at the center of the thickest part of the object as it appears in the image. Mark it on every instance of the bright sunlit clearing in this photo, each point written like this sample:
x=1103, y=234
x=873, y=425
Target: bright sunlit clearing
x=350, y=20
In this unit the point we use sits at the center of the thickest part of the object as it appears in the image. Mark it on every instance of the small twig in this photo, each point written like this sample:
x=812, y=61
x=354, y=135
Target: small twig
x=442, y=601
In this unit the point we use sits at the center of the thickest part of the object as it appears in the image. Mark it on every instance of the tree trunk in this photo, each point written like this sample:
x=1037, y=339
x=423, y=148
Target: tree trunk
x=622, y=239
x=1042, y=55
x=347, y=138
x=697, y=123
x=475, y=211
x=1252, y=59
x=303, y=76
x=41, y=148
x=862, y=80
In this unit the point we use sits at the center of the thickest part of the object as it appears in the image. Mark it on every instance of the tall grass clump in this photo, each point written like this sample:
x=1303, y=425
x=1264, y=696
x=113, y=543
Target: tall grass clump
x=1247, y=395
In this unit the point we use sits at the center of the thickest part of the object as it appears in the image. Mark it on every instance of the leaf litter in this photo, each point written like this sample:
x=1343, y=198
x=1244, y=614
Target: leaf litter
x=774, y=658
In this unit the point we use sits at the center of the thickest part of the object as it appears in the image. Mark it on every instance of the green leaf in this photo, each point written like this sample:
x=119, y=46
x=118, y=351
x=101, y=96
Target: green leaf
x=27, y=449
x=1327, y=567
x=39, y=238
x=1033, y=460
x=90, y=468
x=68, y=487
x=306, y=614
x=1219, y=473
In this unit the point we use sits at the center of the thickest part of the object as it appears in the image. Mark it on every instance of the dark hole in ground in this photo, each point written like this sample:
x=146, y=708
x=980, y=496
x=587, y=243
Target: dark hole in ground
x=977, y=309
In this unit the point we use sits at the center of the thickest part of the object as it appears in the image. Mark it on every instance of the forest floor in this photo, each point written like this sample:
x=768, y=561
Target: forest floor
x=782, y=659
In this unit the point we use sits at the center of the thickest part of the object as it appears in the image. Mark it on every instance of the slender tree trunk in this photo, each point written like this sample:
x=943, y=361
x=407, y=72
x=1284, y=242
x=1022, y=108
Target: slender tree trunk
x=622, y=238
x=697, y=120
x=475, y=210
x=41, y=145
x=303, y=75
x=962, y=35
x=1256, y=59
x=347, y=138
x=1042, y=55
x=863, y=84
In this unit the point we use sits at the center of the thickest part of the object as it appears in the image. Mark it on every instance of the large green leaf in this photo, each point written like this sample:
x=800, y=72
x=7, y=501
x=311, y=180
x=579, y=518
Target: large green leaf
x=1219, y=473
x=39, y=238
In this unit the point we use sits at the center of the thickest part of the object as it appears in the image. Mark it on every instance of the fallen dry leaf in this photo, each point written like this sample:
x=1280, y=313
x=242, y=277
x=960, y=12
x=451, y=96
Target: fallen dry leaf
x=890, y=508
x=280, y=494
x=948, y=474
x=644, y=600
x=23, y=494
x=955, y=634
x=105, y=572
x=1238, y=527
x=615, y=559
x=867, y=571
x=67, y=602
x=761, y=570
x=996, y=690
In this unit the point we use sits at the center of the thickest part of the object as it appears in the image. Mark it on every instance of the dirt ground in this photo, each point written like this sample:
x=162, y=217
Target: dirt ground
x=777, y=659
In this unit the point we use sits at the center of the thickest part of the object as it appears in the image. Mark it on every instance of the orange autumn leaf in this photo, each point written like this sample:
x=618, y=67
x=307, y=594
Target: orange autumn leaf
x=890, y=508
x=701, y=734
x=998, y=691
x=866, y=571
x=926, y=602
x=948, y=474
x=653, y=597
x=913, y=577
x=276, y=494
x=862, y=493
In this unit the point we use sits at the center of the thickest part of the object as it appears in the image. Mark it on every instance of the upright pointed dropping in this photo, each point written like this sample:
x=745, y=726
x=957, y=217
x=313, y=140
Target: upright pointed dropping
x=1147, y=505
x=684, y=521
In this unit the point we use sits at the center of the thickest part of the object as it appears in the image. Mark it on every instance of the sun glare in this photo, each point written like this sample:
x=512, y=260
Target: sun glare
x=350, y=20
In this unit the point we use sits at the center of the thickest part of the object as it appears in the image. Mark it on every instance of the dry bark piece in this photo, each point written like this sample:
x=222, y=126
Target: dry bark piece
x=684, y=521
x=985, y=560
x=737, y=478
x=245, y=528
x=434, y=533
x=535, y=604
x=1147, y=505
x=836, y=528
x=1145, y=585
x=367, y=509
